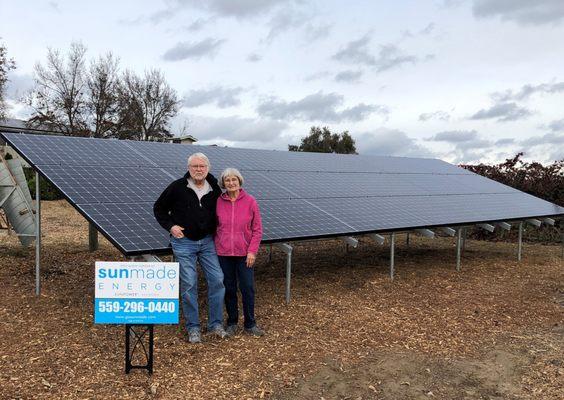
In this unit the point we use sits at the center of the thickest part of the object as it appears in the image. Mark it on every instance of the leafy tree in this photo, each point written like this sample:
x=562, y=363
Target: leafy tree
x=6, y=64
x=321, y=140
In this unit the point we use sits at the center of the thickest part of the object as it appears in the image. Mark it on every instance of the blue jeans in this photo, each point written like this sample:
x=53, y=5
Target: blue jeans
x=187, y=252
x=235, y=268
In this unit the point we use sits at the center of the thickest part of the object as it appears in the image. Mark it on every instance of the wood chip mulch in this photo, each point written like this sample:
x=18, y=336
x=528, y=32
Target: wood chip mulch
x=344, y=310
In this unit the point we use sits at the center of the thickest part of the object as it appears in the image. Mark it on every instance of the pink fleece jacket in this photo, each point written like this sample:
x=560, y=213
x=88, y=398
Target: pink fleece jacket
x=239, y=229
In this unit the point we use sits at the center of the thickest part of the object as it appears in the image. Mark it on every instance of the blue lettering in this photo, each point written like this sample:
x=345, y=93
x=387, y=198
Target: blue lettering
x=137, y=273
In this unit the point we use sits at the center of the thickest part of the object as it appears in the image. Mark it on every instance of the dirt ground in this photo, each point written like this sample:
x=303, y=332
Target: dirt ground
x=495, y=330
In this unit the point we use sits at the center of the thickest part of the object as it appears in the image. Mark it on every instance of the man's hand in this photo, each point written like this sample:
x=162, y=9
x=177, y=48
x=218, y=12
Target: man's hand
x=176, y=231
x=251, y=260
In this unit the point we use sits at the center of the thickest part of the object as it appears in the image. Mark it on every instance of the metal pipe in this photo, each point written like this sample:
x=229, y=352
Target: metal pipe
x=464, y=237
x=92, y=237
x=520, y=244
x=562, y=237
x=288, y=275
x=37, y=235
x=458, y=248
x=392, y=248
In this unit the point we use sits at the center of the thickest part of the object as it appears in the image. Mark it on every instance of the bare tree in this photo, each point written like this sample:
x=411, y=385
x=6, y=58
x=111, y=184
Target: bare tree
x=58, y=99
x=146, y=105
x=101, y=95
x=6, y=64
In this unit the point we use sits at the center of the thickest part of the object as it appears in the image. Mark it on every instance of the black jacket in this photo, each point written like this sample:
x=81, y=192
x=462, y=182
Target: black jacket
x=179, y=205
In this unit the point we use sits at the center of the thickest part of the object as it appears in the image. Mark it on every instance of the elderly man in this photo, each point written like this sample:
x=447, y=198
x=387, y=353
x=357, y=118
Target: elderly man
x=186, y=209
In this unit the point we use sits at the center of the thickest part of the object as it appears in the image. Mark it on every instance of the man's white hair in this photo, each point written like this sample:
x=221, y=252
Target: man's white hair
x=201, y=156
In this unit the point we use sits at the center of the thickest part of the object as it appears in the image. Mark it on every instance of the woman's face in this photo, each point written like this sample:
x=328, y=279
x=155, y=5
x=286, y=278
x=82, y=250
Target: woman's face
x=231, y=183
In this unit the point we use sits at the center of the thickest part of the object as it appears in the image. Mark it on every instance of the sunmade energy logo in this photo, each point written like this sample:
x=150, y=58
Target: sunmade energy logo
x=136, y=293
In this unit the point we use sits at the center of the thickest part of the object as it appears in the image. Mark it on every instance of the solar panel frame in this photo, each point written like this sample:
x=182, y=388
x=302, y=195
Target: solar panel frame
x=287, y=184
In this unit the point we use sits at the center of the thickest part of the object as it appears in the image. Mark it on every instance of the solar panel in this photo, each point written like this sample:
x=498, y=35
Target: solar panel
x=114, y=184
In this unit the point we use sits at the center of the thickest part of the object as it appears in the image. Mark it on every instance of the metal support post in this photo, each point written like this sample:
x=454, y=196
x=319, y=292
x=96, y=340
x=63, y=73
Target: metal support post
x=520, y=244
x=92, y=237
x=288, y=275
x=269, y=253
x=407, y=239
x=138, y=333
x=464, y=236
x=392, y=249
x=562, y=237
x=37, y=235
x=288, y=250
x=458, y=247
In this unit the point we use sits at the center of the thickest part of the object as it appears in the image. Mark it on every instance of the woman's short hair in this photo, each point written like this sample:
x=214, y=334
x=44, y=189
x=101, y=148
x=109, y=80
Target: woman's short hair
x=201, y=156
x=230, y=172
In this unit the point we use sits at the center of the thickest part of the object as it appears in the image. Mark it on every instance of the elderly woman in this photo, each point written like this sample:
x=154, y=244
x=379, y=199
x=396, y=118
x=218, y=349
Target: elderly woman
x=237, y=241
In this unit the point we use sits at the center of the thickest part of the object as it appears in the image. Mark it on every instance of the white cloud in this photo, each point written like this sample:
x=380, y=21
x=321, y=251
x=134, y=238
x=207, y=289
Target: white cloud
x=358, y=52
x=317, y=107
x=348, y=76
x=237, y=9
x=235, y=129
x=503, y=112
x=557, y=126
x=196, y=50
x=524, y=12
x=454, y=136
x=552, y=139
x=436, y=115
x=222, y=97
x=390, y=142
x=254, y=57
x=18, y=85
x=527, y=91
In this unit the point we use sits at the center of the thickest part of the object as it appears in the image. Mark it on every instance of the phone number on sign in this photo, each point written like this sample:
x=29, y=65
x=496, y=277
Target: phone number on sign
x=137, y=306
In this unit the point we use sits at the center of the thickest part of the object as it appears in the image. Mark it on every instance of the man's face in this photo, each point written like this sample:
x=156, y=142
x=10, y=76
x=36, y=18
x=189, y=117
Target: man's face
x=198, y=169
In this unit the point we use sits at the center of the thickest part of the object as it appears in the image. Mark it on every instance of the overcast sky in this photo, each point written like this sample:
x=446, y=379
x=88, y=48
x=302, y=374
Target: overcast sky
x=460, y=80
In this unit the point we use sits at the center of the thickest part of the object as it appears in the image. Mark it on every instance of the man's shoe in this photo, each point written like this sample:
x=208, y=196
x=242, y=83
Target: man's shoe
x=219, y=331
x=194, y=336
x=231, y=330
x=255, y=331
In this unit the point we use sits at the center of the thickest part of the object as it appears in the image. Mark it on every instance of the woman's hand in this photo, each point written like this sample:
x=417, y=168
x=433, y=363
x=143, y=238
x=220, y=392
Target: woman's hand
x=176, y=231
x=251, y=260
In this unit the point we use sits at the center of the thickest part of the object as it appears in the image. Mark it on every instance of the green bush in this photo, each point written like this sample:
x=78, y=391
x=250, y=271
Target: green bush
x=544, y=181
x=47, y=191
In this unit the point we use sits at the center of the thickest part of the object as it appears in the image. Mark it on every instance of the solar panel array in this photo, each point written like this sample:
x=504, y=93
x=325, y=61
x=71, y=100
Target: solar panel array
x=114, y=184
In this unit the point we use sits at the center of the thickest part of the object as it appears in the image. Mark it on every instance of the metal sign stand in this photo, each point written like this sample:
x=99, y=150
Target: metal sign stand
x=138, y=334
x=38, y=235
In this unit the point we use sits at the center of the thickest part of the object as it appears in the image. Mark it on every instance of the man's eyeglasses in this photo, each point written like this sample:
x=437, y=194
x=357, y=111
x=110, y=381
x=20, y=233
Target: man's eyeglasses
x=199, y=166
